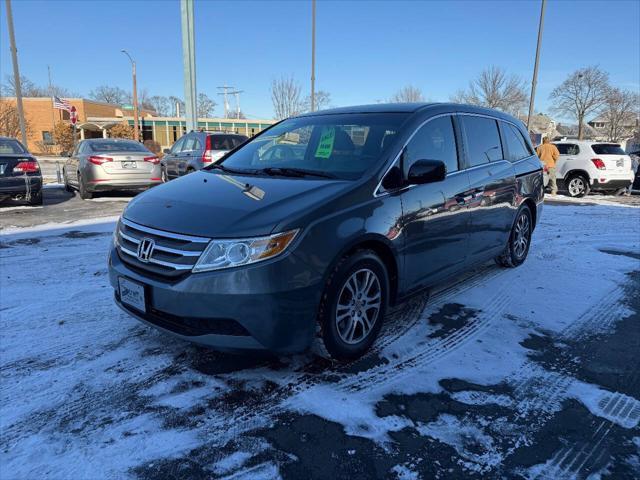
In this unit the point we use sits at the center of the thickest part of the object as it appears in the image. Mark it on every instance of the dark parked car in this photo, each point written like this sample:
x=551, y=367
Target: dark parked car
x=196, y=150
x=20, y=176
x=360, y=208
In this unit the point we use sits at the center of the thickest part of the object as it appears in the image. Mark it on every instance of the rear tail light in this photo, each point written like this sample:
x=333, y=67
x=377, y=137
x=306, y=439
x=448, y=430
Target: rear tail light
x=598, y=163
x=154, y=160
x=27, y=167
x=206, y=156
x=98, y=160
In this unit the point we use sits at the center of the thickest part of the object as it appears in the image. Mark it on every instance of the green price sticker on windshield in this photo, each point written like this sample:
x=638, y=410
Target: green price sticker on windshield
x=325, y=146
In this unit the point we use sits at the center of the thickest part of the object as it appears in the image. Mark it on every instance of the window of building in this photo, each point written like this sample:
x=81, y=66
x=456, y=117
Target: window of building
x=483, y=140
x=516, y=145
x=436, y=140
x=47, y=138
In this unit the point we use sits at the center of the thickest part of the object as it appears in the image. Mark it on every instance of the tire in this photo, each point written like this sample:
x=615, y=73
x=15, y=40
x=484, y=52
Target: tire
x=36, y=199
x=67, y=187
x=578, y=186
x=517, y=249
x=347, y=329
x=82, y=189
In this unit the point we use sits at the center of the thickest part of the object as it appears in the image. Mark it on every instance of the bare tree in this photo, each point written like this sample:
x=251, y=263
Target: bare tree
x=235, y=114
x=9, y=123
x=205, y=106
x=160, y=104
x=495, y=89
x=620, y=114
x=583, y=93
x=323, y=100
x=107, y=94
x=28, y=88
x=285, y=95
x=408, y=94
x=177, y=106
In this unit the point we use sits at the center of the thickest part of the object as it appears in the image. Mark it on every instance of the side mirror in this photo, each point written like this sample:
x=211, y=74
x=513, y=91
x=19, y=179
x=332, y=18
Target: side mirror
x=166, y=150
x=426, y=171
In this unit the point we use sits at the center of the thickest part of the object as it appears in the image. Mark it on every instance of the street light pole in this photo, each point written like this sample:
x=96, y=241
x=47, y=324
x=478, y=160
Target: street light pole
x=136, y=131
x=16, y=74
x=313, y=55
x=535, y=67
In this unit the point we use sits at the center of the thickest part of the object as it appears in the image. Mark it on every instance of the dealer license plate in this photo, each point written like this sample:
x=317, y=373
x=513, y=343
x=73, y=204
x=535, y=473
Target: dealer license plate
x=619, y=163
x=129, y=165
x=131, y=293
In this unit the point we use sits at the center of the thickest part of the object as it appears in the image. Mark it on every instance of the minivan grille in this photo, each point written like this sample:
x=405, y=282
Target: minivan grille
x=172, y=254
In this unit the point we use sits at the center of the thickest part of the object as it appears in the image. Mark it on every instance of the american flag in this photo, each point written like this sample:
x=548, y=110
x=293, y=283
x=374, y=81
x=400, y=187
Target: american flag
x=61, y=104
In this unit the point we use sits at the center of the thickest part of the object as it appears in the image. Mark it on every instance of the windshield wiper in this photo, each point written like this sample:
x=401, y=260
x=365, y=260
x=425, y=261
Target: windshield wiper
x=219, y=166
x=295, y=172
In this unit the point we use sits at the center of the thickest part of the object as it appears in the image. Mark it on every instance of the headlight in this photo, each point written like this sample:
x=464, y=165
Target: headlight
x=221, y=254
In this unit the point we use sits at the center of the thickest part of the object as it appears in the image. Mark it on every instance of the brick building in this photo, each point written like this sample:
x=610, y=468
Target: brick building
x=95, y=119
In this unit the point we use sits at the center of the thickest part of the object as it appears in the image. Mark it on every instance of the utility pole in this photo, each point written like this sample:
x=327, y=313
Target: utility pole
x=224, y=93
x=136, y=128
x=313, y=55
x=189, y=64
x=535, y=66
x=237, y=95
x=16, y=73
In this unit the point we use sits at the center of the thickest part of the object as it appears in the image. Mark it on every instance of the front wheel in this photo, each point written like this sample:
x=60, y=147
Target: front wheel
x=353, y=305
x=578, y=186
x=517, y=249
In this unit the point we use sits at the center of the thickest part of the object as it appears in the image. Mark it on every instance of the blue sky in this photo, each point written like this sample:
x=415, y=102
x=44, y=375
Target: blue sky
x=365, y=50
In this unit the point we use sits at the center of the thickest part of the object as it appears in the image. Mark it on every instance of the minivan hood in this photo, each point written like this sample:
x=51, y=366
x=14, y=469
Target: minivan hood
x=216, y=205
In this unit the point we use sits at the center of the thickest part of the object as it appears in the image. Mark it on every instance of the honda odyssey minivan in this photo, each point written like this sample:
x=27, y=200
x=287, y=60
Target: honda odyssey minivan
x=313, y=228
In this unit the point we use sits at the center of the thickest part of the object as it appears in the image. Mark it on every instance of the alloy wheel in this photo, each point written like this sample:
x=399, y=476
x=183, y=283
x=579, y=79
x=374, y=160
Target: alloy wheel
x=358, y=306
x=522, y=234
x=576, y=186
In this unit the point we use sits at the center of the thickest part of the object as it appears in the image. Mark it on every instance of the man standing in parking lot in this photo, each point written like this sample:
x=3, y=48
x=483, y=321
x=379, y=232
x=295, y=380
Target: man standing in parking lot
x=549, y=154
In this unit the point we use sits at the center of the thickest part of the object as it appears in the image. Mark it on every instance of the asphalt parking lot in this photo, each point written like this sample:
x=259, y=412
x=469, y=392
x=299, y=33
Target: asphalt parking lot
x=526, y=373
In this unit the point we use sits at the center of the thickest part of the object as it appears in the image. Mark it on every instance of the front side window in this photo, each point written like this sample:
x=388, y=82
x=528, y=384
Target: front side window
x=435, y=140
x=342, y=146
x=568, y=148
x=483, y=140
x=515, y=143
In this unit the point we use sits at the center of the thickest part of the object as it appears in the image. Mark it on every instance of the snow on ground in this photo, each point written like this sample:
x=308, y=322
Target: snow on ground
x=460, y=385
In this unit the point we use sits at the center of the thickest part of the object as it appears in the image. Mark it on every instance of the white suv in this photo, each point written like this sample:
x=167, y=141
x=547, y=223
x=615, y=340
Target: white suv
x=584, y=166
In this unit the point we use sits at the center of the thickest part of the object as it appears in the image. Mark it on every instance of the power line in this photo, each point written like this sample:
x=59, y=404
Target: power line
x=225, y=92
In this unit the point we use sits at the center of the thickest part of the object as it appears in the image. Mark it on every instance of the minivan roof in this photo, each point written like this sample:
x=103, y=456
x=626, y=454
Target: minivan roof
x=410, y=108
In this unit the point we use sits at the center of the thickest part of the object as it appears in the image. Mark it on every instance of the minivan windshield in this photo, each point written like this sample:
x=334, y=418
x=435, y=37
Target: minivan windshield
x=335, y=146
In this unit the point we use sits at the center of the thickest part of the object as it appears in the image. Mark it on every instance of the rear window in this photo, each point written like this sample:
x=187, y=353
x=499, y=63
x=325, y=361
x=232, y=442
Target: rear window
x=9, y=146
x=568, y=148
x=607, y=149
x=117, y=146
x=226, y=142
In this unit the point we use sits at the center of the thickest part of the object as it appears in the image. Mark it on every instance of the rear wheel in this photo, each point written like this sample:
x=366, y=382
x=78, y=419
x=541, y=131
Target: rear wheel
x=353, y=305
x=517, y=249
x=36, y=199
x=82, y=189
x=578, y=186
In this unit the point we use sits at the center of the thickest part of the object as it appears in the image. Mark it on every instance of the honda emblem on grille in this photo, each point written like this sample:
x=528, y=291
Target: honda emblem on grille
x=145, y=249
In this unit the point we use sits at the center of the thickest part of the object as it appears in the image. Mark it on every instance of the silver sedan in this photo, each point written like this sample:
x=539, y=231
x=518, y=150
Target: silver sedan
x=110, y=164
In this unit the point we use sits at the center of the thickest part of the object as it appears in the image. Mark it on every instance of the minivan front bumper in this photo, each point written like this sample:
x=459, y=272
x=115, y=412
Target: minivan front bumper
x=271, y=305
